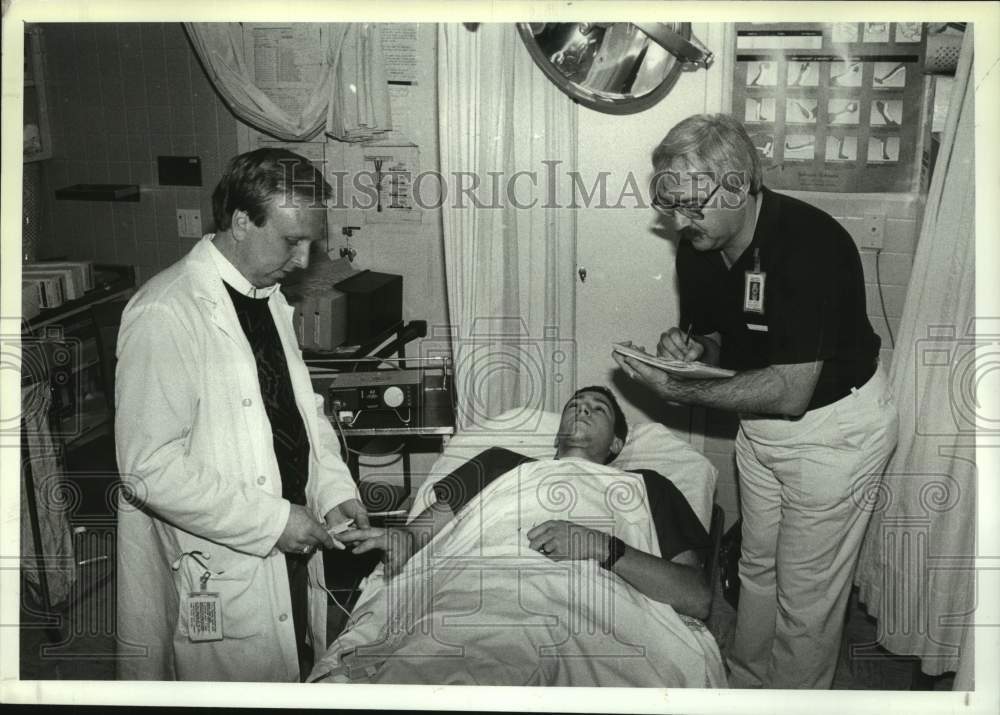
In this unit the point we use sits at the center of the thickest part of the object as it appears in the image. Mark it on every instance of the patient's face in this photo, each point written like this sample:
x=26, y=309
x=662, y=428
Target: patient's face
x=587, y=427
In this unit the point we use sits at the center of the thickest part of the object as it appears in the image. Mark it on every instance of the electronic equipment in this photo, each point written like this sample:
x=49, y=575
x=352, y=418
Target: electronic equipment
x=374, y=304
x=383, y=398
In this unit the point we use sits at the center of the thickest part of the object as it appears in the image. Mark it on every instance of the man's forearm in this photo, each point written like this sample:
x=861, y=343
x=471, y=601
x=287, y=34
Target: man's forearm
x=759, y=391
x=682, y=587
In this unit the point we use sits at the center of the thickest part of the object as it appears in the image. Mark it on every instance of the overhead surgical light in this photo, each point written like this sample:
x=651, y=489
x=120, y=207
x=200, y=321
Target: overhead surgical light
x=614, y=67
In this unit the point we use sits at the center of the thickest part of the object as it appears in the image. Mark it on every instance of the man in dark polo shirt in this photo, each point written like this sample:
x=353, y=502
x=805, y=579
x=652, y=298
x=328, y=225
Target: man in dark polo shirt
x=772, y=288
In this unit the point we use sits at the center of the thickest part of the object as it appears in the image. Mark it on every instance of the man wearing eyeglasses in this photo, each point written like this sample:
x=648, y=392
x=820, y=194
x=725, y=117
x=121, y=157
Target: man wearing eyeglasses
x=773, y=288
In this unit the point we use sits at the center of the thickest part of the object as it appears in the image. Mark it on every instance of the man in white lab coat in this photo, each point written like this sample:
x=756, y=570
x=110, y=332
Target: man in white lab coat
x=232, y=474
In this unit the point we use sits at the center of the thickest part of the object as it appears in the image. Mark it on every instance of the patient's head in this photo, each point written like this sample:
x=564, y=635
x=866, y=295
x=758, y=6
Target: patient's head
x=592, y=426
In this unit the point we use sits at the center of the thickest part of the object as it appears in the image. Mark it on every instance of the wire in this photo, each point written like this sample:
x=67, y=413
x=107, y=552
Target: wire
x=409, y=416
x=881, y=298
x=343, y=441
x=351, y=619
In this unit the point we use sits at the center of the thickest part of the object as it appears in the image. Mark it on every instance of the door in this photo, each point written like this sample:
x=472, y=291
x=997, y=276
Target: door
x=629, y=290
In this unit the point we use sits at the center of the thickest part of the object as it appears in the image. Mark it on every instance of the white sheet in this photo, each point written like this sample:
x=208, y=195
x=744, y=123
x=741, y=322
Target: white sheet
x=478, y=607
x=533, y=433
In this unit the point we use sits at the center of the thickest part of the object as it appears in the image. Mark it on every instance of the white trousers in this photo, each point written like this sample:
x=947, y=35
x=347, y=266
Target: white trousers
x=805, y=487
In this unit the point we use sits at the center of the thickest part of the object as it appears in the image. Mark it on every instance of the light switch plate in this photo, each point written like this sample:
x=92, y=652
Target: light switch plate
x=189, y=223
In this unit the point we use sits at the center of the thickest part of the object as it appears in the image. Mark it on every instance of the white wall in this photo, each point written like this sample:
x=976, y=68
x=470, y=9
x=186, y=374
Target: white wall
x=630, y=291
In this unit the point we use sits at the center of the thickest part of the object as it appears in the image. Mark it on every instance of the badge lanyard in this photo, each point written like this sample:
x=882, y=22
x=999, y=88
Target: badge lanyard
x=204, y=606
x=753, y=286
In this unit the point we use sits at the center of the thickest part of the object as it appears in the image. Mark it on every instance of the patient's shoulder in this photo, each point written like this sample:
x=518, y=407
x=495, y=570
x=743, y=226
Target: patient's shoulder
x=501, y=458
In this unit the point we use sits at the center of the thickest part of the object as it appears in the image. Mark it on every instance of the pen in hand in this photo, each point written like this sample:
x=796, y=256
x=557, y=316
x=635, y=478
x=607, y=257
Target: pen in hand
x=687, y=342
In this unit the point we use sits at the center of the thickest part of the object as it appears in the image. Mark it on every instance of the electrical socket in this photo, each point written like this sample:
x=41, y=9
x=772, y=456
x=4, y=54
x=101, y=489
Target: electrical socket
x=189, y=223
x=872, y=231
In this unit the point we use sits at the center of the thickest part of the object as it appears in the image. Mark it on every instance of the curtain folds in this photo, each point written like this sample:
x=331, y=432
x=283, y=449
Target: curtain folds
x=510, y=245
x=916, y=567
x=350, y=101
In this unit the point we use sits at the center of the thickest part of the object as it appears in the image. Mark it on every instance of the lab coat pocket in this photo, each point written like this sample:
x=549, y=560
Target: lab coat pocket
x=238, y=596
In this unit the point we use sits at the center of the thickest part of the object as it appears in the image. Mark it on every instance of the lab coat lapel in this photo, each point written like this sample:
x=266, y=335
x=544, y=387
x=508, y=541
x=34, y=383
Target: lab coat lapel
x=210, y=291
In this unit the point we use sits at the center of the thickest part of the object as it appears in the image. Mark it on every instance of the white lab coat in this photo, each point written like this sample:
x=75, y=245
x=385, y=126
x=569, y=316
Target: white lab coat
x=195, y=446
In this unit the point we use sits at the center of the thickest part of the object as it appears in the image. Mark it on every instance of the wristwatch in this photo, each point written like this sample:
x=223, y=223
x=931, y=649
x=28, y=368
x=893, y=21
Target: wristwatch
x=616, y=549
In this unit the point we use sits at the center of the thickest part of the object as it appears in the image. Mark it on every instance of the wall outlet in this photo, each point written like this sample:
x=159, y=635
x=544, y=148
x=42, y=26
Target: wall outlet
x=872, y=232
x=189, y=223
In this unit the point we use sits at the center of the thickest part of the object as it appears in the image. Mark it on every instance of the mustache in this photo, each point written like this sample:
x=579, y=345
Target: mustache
x=688, y=233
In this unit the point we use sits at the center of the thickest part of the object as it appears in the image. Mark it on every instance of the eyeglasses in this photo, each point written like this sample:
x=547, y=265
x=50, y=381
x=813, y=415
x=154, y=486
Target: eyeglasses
x=691, y=210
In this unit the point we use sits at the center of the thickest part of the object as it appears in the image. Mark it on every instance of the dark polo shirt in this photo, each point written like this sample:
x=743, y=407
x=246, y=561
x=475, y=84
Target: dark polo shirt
x=814, y=298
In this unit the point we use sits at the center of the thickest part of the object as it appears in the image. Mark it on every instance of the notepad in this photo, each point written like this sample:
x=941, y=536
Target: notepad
x=680, y=368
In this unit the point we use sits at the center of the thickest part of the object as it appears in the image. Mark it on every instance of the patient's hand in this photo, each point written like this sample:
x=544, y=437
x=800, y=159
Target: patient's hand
x=568, y=541
x=396, y=545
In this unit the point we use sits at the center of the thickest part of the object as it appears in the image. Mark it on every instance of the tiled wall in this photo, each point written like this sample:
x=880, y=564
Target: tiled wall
x=903, y=213
x=121, y=94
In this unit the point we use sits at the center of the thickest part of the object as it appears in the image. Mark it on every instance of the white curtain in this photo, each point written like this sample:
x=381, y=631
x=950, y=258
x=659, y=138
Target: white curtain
x=916, y=571
x=509, y=262
x=350, y=101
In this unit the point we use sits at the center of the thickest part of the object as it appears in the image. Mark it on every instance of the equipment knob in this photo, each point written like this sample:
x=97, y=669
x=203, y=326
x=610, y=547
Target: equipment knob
x=393, y=396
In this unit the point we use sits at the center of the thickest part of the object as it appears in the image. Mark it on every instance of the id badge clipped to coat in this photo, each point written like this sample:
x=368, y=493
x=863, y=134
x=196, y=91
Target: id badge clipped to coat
x=753, y=287
x=204, y=613
x=204, y=607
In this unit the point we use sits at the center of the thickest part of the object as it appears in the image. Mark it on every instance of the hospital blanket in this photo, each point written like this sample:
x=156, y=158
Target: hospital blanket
x=477, y=606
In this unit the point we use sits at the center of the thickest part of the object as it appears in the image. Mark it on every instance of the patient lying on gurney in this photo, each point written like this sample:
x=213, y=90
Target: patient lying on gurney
x=528, y=572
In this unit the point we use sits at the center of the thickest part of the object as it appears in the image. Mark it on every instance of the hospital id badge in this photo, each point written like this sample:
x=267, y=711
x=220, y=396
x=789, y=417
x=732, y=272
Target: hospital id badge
x=204, y=617
x=753, y=292
x=753, y=286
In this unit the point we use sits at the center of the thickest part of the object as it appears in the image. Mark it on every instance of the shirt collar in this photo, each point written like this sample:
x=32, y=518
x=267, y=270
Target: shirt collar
x=236, y=280
x=763, y=226
x=767, y=216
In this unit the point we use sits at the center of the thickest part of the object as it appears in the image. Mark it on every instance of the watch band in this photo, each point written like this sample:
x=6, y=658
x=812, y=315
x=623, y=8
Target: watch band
x=616, y=549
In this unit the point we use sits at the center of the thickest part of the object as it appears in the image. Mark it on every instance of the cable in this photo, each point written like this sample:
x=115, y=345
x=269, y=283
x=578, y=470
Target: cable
x=351, y=619
x=343, y=441
x=409, y=416
x=881, y=298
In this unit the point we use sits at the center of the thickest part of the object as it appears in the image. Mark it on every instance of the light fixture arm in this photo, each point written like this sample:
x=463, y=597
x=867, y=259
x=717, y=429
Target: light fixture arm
x=691, y=53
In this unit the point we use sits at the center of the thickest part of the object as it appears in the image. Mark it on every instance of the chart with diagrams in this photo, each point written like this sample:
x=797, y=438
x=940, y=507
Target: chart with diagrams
x=833, y=106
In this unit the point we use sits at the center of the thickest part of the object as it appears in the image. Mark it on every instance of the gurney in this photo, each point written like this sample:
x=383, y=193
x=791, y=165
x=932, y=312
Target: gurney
x=477, y=607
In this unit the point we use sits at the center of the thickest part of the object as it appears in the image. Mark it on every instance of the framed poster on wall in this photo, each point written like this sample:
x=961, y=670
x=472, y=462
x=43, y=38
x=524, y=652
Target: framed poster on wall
x=834, y=106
